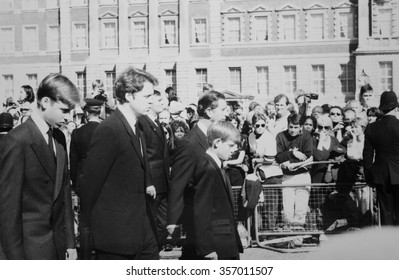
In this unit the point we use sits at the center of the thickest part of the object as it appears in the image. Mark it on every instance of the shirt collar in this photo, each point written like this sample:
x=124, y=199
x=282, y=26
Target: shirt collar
x=201, y=125
x=215, y=158
x=40, y=123
x=152, y=117
x=130, y=117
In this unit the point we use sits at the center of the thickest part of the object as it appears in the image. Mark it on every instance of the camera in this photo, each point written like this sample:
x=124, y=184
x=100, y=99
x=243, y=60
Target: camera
x=313, y=96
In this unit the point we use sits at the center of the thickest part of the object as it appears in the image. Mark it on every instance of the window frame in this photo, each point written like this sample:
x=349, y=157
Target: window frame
x=194, y=33
x=233, y=83
x=173, y=78
x=348, y=79
x=199, y=85
x=320, y=87
x=267, y=79
x=5, y=83
x=74, y=33
x=103, y=22
x=174, y=19
x=24, y=43
x=389, y=79
x=131, y=25
x=287, y=82
x=50, y=40
x=12, y=40
x=81, y=88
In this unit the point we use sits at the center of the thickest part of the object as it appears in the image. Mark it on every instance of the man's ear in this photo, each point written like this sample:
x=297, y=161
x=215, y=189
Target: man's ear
x=44, y=103
x=208, y=112
x=216, y=143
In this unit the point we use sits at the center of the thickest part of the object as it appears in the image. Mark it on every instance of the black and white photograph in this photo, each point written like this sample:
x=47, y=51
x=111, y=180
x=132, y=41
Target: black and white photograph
x=240, y=130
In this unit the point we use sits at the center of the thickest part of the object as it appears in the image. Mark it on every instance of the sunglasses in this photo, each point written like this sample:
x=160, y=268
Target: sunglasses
x=260, y=125
x=335, y=114
x=325, y=127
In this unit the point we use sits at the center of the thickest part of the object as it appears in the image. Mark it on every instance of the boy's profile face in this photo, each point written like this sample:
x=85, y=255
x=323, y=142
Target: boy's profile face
x=224, y=150
x=141, y=101
x=55, y=113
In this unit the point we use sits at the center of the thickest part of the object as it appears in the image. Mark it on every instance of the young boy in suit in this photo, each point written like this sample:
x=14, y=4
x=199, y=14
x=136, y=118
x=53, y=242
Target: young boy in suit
x=215, y=229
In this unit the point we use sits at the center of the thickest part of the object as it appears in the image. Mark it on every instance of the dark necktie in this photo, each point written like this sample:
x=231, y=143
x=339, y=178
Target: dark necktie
x=50, y=143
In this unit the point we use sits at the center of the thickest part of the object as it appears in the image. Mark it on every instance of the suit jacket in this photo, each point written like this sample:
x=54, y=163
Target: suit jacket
x=80, y=142
x=381, y=151
x=157, y=154
x=215, y=228
x=182, y=187
x=114, y=203
x=35, y=206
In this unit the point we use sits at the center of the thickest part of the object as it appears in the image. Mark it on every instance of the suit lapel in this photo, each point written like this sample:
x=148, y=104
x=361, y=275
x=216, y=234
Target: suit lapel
x=201, y=137
x=41, y=150
x=133, y=137
x=156, y=129
x=225, y=179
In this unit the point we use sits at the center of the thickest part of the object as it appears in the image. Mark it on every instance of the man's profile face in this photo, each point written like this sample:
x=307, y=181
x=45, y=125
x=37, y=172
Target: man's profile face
x=56, y=113
x=157, y=104
x=172, y=94
x=141, y=101
x=219, y=113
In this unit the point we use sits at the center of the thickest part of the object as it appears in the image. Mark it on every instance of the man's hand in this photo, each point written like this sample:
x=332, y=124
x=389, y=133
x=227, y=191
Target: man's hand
x=299, y=155
x=71, y=254
x=212, y=256
x=151, y=191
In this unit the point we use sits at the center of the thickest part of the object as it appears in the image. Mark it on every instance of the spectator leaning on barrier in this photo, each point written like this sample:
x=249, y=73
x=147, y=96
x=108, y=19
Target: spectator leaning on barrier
x=295, y=148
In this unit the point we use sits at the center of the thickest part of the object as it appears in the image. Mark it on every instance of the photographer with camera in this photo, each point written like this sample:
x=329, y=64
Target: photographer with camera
x=99, y=93
x=303, y=100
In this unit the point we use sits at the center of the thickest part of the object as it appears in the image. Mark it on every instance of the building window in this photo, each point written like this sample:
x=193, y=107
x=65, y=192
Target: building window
x=6, y=39
x=138, y=1
x=79, y=2
x=261, y=28
x=235, y=79
x=170, y=78
x=347, y=78
x=8, y=85
x=289, y=27
x=201, y=76
x=53, y=38
x=51, y=4
x=317, y=26
x=385, y=22
x=386, y=76
x=29, y=5
x=81, y=83
x=233, y=29
x=30, y=39
x=346, y=25
x=108, y=2
x=6, y=5
x=170, y=32
x=200, y=34
x=32, y=81
x=318, y=79
x=263, y=80
x=79, y=36
x=110, y=81
x=109, y=34
x=139, y=33
x=290, y=79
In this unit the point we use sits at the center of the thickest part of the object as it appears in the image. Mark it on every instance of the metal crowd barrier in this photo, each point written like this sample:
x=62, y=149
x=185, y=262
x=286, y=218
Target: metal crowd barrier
x=327, y=213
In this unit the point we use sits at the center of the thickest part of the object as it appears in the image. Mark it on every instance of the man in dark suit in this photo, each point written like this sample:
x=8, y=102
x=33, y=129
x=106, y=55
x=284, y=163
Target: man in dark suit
x=211, y=108
x=116, y=219
x=215, y=228
x=381, y=158
x=158, y=160
x=80, y=141
x=35, y=203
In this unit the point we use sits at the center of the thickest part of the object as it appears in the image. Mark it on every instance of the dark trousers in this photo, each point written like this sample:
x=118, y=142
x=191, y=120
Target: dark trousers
x=388, y=200
x=159, y=209
x=149, y=251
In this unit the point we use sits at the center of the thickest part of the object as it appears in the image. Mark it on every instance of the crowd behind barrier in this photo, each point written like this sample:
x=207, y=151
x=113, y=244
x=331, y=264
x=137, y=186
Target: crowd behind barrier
x=297, y=171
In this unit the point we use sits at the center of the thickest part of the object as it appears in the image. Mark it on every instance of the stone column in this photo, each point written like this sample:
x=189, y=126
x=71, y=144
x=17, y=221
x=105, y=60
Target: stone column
x=123, y=29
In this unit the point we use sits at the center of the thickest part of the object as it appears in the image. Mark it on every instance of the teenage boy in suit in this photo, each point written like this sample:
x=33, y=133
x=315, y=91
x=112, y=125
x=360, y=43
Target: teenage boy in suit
x=211, y=108
x=116, y=219
x=35, y=203
x=215, y=229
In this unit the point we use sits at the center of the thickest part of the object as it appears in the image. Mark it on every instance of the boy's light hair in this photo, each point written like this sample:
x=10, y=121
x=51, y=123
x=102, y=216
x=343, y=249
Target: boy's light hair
x=224, y=130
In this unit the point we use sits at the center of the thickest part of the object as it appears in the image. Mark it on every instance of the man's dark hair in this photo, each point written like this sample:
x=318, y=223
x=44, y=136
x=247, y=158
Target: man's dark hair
x=30, y=95
x=57, y=87
x=157, y=92
x=295, y=119
x=168, y=89
x=131, y=80
x=208, y=100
